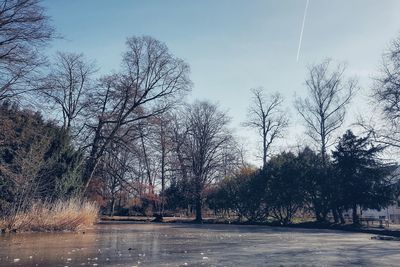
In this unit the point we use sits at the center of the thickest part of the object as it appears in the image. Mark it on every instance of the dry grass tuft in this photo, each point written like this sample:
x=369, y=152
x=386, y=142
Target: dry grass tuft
x=67, y=215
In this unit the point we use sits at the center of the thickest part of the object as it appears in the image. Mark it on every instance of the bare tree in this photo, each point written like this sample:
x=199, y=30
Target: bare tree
x=324, y=109
x=179, y=135
x=386, y=94
x=205, y=143
x=387, y=86
x=163, y=143
x=164, y=149
x=68, y=86
x=152, y=80
x=114, y=172
x=147, y=147
x=179, y=160
x=156, y=145
x=24, y=31
x=267, y=117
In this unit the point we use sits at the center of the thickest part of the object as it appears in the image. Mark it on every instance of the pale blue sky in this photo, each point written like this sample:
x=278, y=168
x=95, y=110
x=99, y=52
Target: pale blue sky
x=235, y=45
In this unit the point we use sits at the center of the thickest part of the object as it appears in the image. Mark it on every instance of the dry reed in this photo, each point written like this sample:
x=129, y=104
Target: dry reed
x=69, y=215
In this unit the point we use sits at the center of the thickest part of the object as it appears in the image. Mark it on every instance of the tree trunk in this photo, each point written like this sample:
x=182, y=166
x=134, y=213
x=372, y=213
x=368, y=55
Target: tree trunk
x=317, y=216
x=162, y=180
x=92, y=161
x=320, y=215
x=323, y=154
x=342, y=221
x=355, y=215
x=112, y=206
x=335, y=215
x=199, y=203
x=88, y=172
x=146, y=161
x=199, y=217
x=265, y=152
x=324, y=214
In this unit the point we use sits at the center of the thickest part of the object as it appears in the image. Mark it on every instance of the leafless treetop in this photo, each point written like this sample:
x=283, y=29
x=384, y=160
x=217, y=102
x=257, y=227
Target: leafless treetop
x=324, y=109
x=266, y=115
x=68, y=86
x=387, y=85
x=24, y=30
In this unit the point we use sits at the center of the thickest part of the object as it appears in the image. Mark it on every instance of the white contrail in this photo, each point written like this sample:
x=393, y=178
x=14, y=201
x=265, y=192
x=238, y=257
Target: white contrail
x=302, y=29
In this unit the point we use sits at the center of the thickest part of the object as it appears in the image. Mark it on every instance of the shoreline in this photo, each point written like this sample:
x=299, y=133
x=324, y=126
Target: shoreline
x=381, y=233
x=305, y=225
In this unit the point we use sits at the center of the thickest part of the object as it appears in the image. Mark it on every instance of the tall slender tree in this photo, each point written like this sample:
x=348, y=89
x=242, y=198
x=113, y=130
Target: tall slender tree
x=265, y=114
x=205, y=143
x=324, y=109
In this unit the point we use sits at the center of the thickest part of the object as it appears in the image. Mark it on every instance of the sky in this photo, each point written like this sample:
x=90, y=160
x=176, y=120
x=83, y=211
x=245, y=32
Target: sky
x=235, y=45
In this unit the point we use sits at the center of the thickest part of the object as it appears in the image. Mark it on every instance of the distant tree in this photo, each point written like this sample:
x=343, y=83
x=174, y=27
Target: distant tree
x=24, y=32
x=179, y=193
x=179, y=136
x=286, y=186
x=265, y=114
x=207, y=136
x=146, y=147
x=364, y=179
x=247, y=194
x=164, y=145
x=112, y=171
x=68, y=87
x=387, y=87
x=317, y=180
x=386, y=93
x=324, y=109
x=151, y=81
x=167, y=144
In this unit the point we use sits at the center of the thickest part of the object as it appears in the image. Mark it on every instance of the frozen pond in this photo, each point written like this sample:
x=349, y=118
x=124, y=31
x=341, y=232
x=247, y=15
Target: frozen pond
x=196, y=245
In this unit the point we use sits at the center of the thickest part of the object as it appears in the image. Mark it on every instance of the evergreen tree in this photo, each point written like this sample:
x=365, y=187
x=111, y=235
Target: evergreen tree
x=361, y=176
x=37, y=160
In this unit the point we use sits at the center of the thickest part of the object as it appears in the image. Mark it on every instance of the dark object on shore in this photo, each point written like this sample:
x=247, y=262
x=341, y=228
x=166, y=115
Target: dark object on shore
x=130, y=248
x=7, y=231
x=389, y=238
x=157, y=218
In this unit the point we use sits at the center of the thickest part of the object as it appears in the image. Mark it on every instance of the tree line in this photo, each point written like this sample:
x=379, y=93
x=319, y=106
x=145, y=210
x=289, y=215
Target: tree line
x=300, y=183
x=129, y=139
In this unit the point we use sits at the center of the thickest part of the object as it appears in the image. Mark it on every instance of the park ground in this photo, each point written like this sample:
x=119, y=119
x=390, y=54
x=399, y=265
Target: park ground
x=180, y=244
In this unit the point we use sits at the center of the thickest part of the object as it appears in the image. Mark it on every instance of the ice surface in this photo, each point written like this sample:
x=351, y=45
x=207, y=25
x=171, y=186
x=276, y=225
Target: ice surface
x=195, y=245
